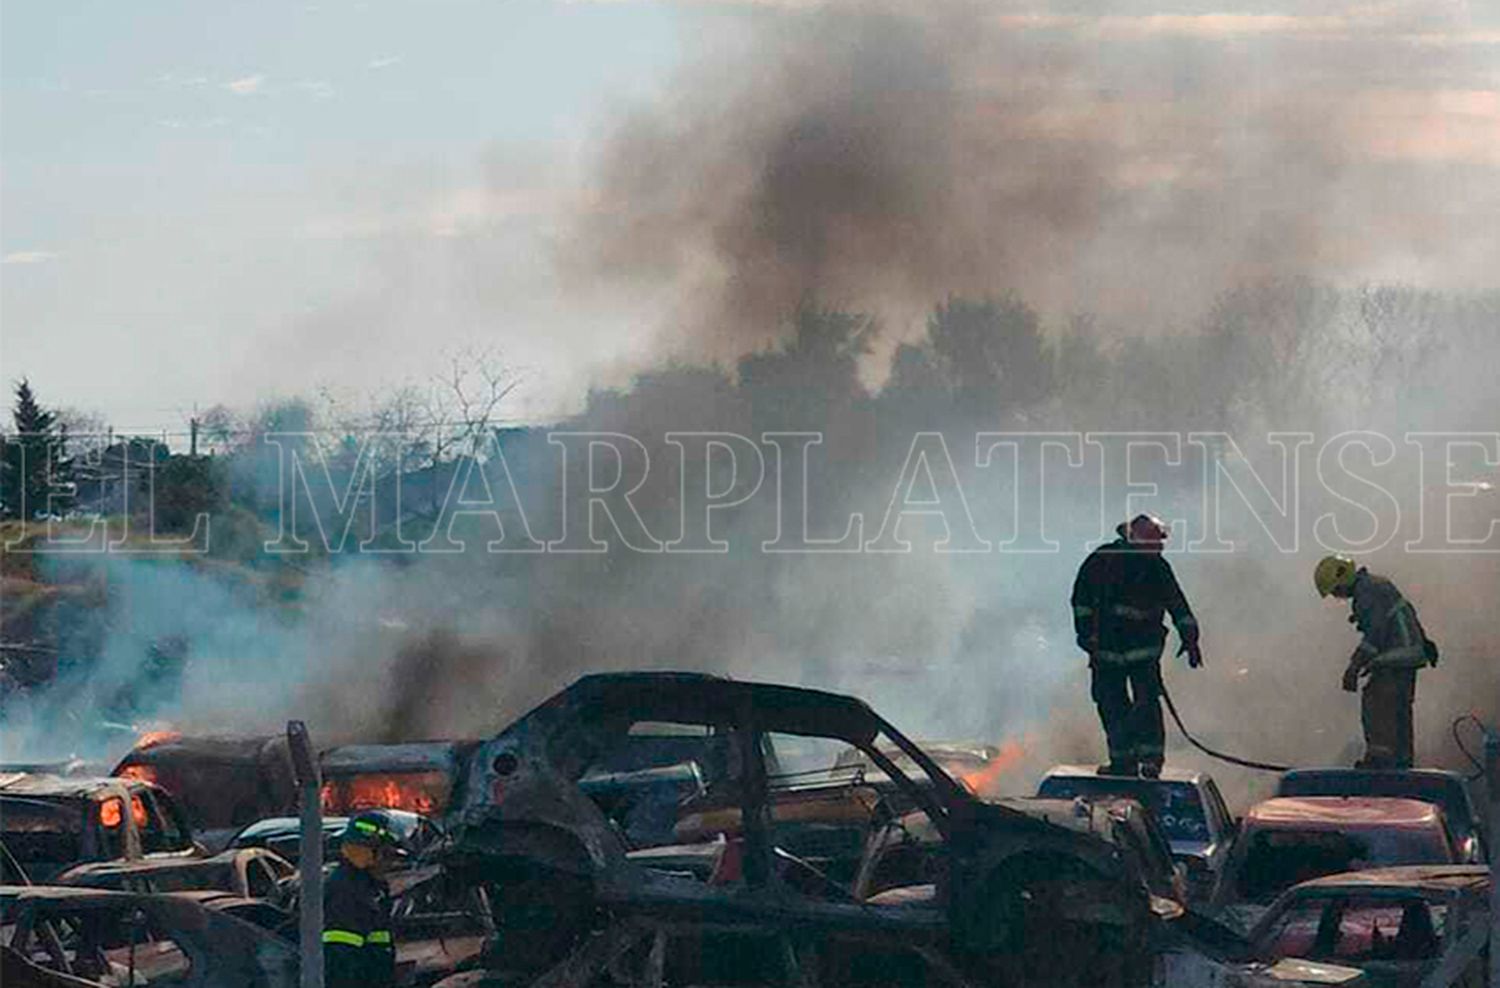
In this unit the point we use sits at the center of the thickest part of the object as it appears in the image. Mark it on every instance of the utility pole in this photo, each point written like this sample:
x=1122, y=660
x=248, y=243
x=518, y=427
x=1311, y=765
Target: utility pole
x=193, y=433
x=310, y=864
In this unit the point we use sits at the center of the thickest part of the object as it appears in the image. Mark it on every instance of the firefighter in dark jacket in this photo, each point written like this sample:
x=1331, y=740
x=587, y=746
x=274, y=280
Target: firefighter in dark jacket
x=1392, y=647
x=358, y=951
x=1122, y=591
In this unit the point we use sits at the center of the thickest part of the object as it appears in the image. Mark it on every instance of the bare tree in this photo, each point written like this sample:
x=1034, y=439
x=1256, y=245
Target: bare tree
x=465, y=401
x=88, y=431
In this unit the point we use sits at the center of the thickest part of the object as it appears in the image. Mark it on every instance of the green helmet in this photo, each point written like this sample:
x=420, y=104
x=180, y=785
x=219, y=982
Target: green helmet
x=373, y=828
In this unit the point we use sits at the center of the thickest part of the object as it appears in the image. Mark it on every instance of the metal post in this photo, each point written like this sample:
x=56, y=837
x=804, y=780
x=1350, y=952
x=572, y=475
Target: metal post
x=310, y=866
x=1492, y=782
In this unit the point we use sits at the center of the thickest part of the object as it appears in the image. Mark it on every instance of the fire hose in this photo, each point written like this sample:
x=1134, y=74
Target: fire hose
x=1221, y=756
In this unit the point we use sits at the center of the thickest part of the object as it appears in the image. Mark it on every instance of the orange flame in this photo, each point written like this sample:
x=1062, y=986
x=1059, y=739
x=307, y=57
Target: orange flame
x=987, y=777
x=150, y=739
x=416, y=792
x=111, y=813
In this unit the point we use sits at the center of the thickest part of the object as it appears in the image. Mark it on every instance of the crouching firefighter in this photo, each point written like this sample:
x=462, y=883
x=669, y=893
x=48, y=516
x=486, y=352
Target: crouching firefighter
x=1392, y=647
x=358, y=951
x=1122, y=591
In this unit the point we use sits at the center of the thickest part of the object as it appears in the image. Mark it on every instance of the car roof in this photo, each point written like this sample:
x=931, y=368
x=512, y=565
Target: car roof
x=1343, y=812
x=214, y=747
x=147, y=865
x=1425, y=877
x=704, y=698
x=37, y=785
x=287, y=825
x=63, y=893
x=408, y=757
x=1168, y=774
x=1334, y=771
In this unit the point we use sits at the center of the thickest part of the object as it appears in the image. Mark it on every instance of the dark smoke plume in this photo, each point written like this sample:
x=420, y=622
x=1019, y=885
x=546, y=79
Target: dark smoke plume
x=1131, y=166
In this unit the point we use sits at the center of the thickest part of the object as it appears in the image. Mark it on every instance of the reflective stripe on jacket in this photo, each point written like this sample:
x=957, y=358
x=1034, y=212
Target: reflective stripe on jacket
x=358, y=950
x=1119, y=601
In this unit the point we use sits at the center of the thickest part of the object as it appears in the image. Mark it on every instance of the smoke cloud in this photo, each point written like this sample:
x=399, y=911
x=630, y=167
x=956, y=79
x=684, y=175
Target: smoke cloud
x=1131, y=164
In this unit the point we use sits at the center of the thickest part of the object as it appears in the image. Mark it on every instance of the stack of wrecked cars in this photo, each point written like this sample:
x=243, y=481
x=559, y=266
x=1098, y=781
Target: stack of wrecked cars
x=1005, y=893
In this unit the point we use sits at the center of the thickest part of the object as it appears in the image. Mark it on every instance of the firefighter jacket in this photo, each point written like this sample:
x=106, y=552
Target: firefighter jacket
x=358, y=951
x=1392, y=636
x=1119, y=599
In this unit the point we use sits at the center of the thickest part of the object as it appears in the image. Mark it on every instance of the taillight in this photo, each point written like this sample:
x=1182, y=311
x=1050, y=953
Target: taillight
x=138, y=812
x=111, y=813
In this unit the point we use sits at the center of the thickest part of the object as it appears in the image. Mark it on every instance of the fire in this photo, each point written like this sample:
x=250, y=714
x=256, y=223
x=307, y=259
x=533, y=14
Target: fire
x=150, y=739
x=987, y=777
x=111, y=813
x=416, y=792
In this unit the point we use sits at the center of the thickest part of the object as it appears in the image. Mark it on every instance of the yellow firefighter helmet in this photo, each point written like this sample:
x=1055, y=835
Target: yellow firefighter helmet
x=1334, y=573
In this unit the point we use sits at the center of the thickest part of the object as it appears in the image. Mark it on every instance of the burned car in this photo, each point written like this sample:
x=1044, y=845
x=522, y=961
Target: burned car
x=51, y=823
x=1446, y=790
x=1013, y=896
x=283, y=835
x=90, y=937
x=1404, y=927
x=221, y=783
x=1397, y=925
x=1188, y=804
x=251, y=873
x=1288, y=840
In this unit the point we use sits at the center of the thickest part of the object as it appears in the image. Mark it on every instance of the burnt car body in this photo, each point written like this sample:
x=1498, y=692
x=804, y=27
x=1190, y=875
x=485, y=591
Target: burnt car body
x=221, y=783
x=899, y=861
x=1014, y=895
x=1397, y=925
x=283, y=835
x=95, y=936
x=1288, y=840
x=51, y=823
x=424, y=777
x=251, y=873
x=1189, y=806
x=1430, y=785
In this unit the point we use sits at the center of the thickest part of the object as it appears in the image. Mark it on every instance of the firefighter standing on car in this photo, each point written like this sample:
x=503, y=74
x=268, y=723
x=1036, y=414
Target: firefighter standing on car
x=1392, y=648
x=358, y=951
x=1119, y=599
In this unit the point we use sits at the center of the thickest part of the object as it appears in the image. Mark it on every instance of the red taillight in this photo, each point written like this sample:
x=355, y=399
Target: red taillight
x=111, y=813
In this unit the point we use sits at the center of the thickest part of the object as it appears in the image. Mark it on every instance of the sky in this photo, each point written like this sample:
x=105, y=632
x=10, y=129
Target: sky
x=213, y=202
x=193, y=191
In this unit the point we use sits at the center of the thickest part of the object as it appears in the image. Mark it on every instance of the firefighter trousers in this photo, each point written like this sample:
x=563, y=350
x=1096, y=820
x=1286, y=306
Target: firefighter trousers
x=1385, y=711
x=1129, y=700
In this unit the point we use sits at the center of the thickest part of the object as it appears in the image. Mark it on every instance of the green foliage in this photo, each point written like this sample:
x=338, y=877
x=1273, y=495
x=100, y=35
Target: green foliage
x=36, y=471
